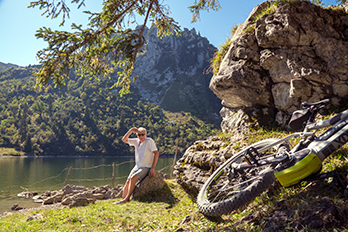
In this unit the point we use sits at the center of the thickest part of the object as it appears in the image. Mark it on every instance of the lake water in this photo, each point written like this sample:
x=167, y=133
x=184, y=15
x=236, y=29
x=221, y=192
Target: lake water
x=41, y=174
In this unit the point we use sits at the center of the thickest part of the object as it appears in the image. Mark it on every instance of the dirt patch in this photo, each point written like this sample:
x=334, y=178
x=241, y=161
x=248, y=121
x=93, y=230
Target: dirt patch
x=325, y=214
x=321, y=213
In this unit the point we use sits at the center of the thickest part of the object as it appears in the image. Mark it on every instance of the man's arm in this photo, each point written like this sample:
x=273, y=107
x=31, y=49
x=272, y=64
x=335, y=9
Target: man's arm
x=126, y=136
x=155, y=159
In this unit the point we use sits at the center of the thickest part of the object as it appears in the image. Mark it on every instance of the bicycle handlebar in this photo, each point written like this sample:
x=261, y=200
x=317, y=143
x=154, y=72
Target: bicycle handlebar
x=307, y=104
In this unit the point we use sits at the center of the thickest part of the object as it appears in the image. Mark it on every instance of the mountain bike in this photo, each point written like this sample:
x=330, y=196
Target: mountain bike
x=253, y=170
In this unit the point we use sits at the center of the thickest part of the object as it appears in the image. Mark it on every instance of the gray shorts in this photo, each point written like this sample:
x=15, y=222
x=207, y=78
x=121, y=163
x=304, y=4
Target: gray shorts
x=141, y=173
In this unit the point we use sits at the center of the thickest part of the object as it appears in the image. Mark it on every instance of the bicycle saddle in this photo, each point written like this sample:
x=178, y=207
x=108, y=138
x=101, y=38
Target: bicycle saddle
x=319, y=103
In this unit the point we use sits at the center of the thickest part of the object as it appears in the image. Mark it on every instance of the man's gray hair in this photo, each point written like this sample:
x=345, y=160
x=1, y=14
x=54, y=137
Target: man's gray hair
x=141, y=129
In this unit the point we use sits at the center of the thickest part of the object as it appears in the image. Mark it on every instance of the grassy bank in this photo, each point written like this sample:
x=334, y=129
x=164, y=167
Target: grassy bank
x=164, y=210
x=311, y=206
x=170, y=209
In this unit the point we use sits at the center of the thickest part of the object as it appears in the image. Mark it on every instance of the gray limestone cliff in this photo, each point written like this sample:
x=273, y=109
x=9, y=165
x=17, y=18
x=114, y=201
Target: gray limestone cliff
x=296, y=52
x=173, y=72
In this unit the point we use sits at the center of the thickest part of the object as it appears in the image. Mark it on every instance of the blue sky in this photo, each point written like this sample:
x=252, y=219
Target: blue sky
x=18, y=44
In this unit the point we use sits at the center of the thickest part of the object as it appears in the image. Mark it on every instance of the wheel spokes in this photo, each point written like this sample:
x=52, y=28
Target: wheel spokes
x=231, y=181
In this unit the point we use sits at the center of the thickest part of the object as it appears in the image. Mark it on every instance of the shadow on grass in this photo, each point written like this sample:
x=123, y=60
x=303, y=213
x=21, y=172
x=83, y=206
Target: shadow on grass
x=315, y=205
x=164, y=195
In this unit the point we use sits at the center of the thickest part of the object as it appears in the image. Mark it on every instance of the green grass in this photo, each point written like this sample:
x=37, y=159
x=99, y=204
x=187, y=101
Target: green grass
x=219, y=55
x=165, y=209
x=162, y=210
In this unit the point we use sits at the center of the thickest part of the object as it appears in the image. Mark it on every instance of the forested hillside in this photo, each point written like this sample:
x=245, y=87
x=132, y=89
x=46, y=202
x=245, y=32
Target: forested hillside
x=85, y=117
x=4, y=66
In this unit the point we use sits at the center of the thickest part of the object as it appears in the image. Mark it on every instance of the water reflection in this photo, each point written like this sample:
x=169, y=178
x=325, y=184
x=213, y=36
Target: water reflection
x=41, y=174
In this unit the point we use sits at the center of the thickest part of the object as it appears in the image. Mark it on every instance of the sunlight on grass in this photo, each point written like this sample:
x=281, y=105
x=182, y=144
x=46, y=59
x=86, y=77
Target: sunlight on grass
x=163, y=215
x=166, y=209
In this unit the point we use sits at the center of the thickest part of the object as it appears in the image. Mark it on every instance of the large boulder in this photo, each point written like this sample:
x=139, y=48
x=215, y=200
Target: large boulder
x=297, y=53
x=239, y=121
x=201, y=160
x=204, y=156
x=148, y=184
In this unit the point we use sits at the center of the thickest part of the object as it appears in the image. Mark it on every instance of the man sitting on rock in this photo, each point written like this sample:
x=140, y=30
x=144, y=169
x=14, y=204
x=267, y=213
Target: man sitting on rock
x=146, y=156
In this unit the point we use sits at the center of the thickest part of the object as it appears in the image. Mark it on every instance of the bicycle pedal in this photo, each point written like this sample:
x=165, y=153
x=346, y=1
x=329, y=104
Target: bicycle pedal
x=250, y=155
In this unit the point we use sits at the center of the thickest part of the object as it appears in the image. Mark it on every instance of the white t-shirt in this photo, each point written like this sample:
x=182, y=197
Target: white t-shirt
x=143, y=153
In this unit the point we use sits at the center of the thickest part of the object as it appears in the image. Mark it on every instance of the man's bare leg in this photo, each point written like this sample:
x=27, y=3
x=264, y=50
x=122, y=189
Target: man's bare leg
x=128, y=189
x=125, y=189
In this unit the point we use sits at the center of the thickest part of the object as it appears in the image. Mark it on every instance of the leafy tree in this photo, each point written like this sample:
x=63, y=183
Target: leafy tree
x=39, y=107
x=107, y=44
x=23, y=121
x=27, y=144
x=58, y=122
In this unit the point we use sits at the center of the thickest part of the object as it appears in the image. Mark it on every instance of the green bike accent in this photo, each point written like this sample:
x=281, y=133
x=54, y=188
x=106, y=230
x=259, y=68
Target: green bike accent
x=294, y=174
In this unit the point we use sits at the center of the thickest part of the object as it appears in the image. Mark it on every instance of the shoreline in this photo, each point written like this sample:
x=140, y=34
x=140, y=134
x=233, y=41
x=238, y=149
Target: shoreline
x=99, y=173
x=75, y=156
x=40, y=207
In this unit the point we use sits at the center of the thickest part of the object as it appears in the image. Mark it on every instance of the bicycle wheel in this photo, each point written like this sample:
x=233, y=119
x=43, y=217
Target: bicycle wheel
x=231, y=187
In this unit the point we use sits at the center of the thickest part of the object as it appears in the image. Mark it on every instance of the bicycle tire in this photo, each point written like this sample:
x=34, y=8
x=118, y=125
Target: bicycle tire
x=258, y=184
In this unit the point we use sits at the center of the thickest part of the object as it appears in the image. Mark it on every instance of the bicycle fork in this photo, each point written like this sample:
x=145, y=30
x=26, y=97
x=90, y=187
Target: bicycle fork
x=310, y=159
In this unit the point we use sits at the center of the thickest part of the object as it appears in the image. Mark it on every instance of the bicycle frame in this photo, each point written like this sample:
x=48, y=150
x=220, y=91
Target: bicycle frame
x=308, y=159
x=254, y=169
x=332, y=139
x=339, y=139
x=308, y=156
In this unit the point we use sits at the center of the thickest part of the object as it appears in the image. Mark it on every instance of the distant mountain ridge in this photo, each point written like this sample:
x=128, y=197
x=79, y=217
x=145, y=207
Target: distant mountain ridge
x=4, y=66
x=85, y=117
x=171, y=98
x=173, y=72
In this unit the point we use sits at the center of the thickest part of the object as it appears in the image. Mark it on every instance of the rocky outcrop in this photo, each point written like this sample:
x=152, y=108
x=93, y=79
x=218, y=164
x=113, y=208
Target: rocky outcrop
x=239, y=121
x=74, y=196
x=201, y=159
x=297, y=53
x=27, y=194
x=196, y=165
